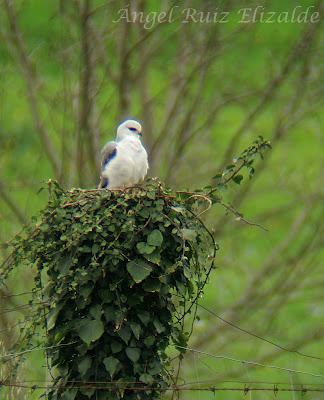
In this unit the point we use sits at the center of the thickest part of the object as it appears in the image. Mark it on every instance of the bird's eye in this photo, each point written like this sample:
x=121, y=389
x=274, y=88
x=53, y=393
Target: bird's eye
x=132, y=129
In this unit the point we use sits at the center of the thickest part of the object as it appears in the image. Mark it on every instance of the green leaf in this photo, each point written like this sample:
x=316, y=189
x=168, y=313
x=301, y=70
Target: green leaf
x=95, y=248
x=228, y=169
x=154, y=257
x=133, y=353
x=125, y=333
x=64, y=263
x=105, y=295
x=52, y=315
x=87, y=392
x=116, y=347
x=155, y=238
x=69, y=394
x=138, y=270
x=158, y=326
x=217, y=176
x=96, y=311
x=147, y=378
x=144, y=248
x=110, y=313
x=144, y=316
x=84, y=365
x=180, y=339
x=136, y=328
x=187, y=272
x=189, y=234
x=149, y=341
x=112, y=365
x=91, y=330
x=85, y=291
x=155, y=367
x=237, y=179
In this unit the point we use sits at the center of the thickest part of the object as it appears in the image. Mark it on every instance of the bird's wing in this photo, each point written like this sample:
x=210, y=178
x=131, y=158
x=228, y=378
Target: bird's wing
x=108, y=153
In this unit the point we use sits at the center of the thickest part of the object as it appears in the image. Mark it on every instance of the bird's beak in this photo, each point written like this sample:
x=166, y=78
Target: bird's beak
x=140, y=134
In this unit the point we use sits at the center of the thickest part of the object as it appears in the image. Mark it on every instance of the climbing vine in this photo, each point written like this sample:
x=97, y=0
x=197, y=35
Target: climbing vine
x=117, y=272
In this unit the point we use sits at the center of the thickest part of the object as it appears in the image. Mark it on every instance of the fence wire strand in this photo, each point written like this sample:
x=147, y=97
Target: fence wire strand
x=198, y=386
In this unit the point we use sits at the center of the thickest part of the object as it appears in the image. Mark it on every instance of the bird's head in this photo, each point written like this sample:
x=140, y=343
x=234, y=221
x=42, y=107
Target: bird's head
x=129, y=128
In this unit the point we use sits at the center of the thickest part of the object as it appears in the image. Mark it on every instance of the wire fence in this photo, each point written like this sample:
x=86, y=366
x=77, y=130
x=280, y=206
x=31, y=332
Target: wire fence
x=212, y=386
x=138, y=386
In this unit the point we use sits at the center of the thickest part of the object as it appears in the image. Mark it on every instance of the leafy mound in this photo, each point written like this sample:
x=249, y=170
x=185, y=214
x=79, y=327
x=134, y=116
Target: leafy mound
x=123, y=268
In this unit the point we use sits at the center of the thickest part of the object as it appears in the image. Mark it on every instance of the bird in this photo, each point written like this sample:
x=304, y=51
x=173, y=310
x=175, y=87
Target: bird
x=124, y=162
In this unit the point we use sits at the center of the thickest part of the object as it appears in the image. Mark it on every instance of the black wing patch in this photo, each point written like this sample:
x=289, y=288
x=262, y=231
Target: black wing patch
x=108, y=158
x=104, y=183
x=108, y=153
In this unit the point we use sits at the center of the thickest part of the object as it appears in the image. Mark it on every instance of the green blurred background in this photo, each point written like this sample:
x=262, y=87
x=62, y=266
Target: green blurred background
x=71, y=70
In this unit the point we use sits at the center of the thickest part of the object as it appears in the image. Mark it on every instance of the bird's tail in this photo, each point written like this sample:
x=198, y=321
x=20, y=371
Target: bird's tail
x=103, y=183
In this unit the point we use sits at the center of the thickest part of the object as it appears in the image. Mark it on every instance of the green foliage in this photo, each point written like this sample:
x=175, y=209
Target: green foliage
x=117, y=283
x=244, y=161
x=123, y=269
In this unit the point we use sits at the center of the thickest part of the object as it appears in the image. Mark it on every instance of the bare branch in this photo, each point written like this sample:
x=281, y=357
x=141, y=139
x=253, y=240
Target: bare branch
x=12, y=205
x=87, y=133
x=272, y=87
x=31, y=85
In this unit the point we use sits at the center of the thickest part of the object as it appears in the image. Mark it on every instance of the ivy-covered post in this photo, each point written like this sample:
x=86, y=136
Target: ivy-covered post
x=121, y=268
x=118, y=271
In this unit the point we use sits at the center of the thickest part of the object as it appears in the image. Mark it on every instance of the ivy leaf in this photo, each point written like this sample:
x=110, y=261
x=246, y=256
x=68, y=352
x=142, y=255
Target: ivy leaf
x=85, y=291
x=144, y=248
x=237, y=179
x=155, y=238
x=87, y=392
x=84, y=365
x=155, y=367
x=144, y=316
x=228, y=169
x=69, y=394
x=112, y=365
x=154, y=257
x=149, y=341
x=133, y=353
x=125, y=333
x=52, y=316
x=116, y=347
x=91, y=330
x=138, y=270
x=189, y=234
x=136, y=328
x=95, y=248
x=96, y=311
x=158, y=326
x=147, y=378
x=217, y=176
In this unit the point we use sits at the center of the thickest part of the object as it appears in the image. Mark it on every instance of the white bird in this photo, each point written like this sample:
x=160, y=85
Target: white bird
x=124, y=161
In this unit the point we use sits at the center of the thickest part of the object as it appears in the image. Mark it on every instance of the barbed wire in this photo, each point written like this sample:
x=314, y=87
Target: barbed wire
x=303, y=388
x=8, y=296
x=275, y=344
x=117, y=385
x=20, y=307
x=36, y=348
x=241, y=361
x=248, y=362
x=211, y=382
